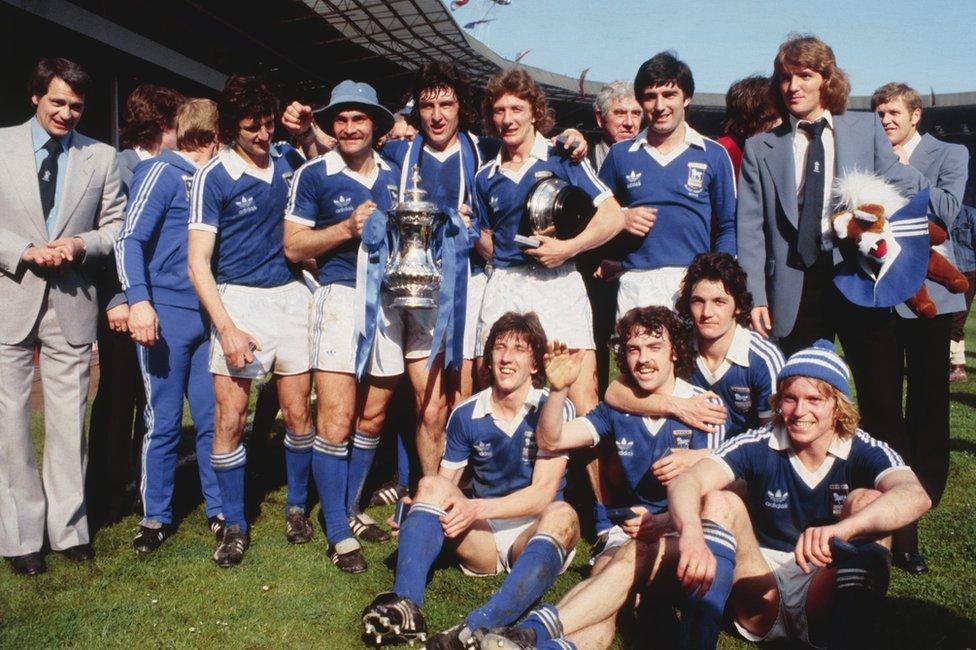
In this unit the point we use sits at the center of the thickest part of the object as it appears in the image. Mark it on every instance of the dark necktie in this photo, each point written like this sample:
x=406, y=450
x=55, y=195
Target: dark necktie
x=47, y=178
x=811, y=200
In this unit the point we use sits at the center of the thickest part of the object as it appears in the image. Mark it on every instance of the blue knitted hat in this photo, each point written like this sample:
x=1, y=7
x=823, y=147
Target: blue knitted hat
x=818, y=361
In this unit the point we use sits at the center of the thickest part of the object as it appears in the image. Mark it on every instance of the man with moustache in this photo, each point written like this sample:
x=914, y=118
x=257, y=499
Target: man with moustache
x=331, y=198
x=924, y=341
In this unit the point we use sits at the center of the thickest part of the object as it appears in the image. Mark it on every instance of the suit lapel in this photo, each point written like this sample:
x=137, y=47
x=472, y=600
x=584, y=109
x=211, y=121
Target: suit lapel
x=19, y=166
x=782, y=168
x=921, y=158
x=79, y=173
x=845, y=147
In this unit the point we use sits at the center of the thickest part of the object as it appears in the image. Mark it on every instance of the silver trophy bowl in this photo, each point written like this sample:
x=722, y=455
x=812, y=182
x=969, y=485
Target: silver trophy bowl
x=412, y=276
x=555, y=208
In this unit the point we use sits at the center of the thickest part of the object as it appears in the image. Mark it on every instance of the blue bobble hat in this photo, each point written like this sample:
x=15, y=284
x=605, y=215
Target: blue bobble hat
x=819, y=361
x=357, y=95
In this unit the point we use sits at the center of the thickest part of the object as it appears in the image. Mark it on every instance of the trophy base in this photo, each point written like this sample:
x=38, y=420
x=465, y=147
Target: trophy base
x=414, y=302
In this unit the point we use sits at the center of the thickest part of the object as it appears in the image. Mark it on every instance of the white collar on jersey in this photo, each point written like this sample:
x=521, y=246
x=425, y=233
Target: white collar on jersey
x=692, y=138
x=681, y=389
x=334, y=163
x=780, y=441
x=540, y=151
x=483, y=403
x=738, y=353
x=441, y=156
x=237, y=166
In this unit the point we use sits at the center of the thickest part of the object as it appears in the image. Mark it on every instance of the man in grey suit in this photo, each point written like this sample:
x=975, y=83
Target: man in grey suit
x=784, y=234
x=62, y=209
x=924, y=341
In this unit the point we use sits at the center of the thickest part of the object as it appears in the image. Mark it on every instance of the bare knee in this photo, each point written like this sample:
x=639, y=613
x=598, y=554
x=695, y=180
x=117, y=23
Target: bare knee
x=857, y=500
x=560, y=521
x=434, y=414
x=724, y=508
x=434, y=489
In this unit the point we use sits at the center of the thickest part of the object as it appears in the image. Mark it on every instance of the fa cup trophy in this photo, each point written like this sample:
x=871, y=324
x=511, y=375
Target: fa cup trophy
x=411, y=275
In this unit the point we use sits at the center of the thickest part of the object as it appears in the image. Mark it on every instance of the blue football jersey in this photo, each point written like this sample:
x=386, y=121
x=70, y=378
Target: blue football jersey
x=745, y=380
x=325, y=192
x=784, y=498
x=245, y=207
x=688, y=186
x=501, y=454
x=642, y=441
x=500, y=194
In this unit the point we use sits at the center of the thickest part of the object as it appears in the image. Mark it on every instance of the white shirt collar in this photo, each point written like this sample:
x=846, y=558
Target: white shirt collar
x=335, y=164
x=780, y=441
x=692, y=138
x=483, y=403
x=540, y=151
x=441, y=156
x=142, y=153
x=912, y=143
x=739, y=348
x=237, y=166
x=826, y=115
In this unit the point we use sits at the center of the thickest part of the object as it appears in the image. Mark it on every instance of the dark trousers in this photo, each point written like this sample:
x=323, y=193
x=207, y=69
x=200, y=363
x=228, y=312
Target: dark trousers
x=116, y=429
x=603, y=303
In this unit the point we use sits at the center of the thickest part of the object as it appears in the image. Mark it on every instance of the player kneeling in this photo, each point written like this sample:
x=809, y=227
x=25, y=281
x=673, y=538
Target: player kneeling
x=820, y=491
x=654, y=347
x=514, y=519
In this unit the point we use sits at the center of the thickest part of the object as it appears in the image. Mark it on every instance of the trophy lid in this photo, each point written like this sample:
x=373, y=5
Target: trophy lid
x=414, y=197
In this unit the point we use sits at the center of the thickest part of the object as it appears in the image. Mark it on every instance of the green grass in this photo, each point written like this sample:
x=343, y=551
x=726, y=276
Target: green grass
x=287, y=595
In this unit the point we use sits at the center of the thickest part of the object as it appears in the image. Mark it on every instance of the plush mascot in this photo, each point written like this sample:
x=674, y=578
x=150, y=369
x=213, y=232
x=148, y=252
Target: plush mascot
x=886, y=242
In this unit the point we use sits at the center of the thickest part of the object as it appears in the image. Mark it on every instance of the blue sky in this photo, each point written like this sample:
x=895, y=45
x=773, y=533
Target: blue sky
x=926, y=43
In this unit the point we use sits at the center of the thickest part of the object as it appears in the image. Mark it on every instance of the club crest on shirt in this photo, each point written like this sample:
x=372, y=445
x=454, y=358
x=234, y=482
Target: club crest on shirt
x=493, y=202
x=682, y=438
x=394, y=194
x=778, y=500
x=838, y=497
x=741, y=398
x=530, y=448
x=342, y=204
x=245, y=205
x=188, y=184
x=483, y=448
x=625, y=447
x=696, y=177
x=633, y=179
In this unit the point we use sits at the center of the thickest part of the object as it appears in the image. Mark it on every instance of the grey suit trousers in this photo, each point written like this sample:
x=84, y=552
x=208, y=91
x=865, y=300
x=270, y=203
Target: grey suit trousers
x=57, y=497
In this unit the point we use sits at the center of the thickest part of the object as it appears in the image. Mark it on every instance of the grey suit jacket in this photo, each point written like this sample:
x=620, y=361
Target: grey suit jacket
x=946, y=167
x=767, y=215
x=90, y=208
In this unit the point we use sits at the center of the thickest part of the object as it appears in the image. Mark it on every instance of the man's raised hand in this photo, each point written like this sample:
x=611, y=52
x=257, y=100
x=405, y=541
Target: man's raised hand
x=562, y=365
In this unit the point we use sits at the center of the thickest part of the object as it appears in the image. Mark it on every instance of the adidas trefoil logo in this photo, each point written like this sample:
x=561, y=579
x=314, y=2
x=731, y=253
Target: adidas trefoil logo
x=633, y=178
x=625, y=447
x=245, y=205
x=777, y=500
x=343, y=203
x=493, y=202
x=483, y=449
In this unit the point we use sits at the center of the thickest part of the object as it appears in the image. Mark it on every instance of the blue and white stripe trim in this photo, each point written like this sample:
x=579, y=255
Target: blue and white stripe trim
x=718, y=534
x=299, y=442
x=133, y=211
x=542, y=537
x=548, y=616
x=196, y=196
x=854, y=578
x=362, y=441
x=339, y=450
x=428, y=508
x=819, y=362
x=230, y=460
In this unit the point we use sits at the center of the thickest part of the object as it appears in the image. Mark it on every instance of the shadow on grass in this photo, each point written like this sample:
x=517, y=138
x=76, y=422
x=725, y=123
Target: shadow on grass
x=964, y=446
x=963, y=398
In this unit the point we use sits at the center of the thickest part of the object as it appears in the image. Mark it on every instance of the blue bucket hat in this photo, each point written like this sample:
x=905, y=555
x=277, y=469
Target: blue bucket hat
x=357, y=95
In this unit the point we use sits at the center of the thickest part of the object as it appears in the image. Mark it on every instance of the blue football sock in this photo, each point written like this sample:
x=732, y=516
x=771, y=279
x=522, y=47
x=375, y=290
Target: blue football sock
x=403, y=460
x=298, y=466
x=601, y=522
x=229, y=469
x=701, y=614
x=330, y=467
x=360, y=460
x=544, y=621
x=532, y=574
x=421, y=538
x=862, y=580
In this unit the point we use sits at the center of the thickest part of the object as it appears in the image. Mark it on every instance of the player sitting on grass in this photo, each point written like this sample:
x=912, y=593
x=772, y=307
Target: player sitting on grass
x=653, y=348
x=513, y=519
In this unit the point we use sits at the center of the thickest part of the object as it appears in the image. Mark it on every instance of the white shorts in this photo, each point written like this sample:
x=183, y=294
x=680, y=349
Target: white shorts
x=616, y=537
x=793, y=584
x=649, y=288
x=476, y=291
x=332, y=329
x=556, y=295
x=401, y=333
x=506, y=531
x=277, y=318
